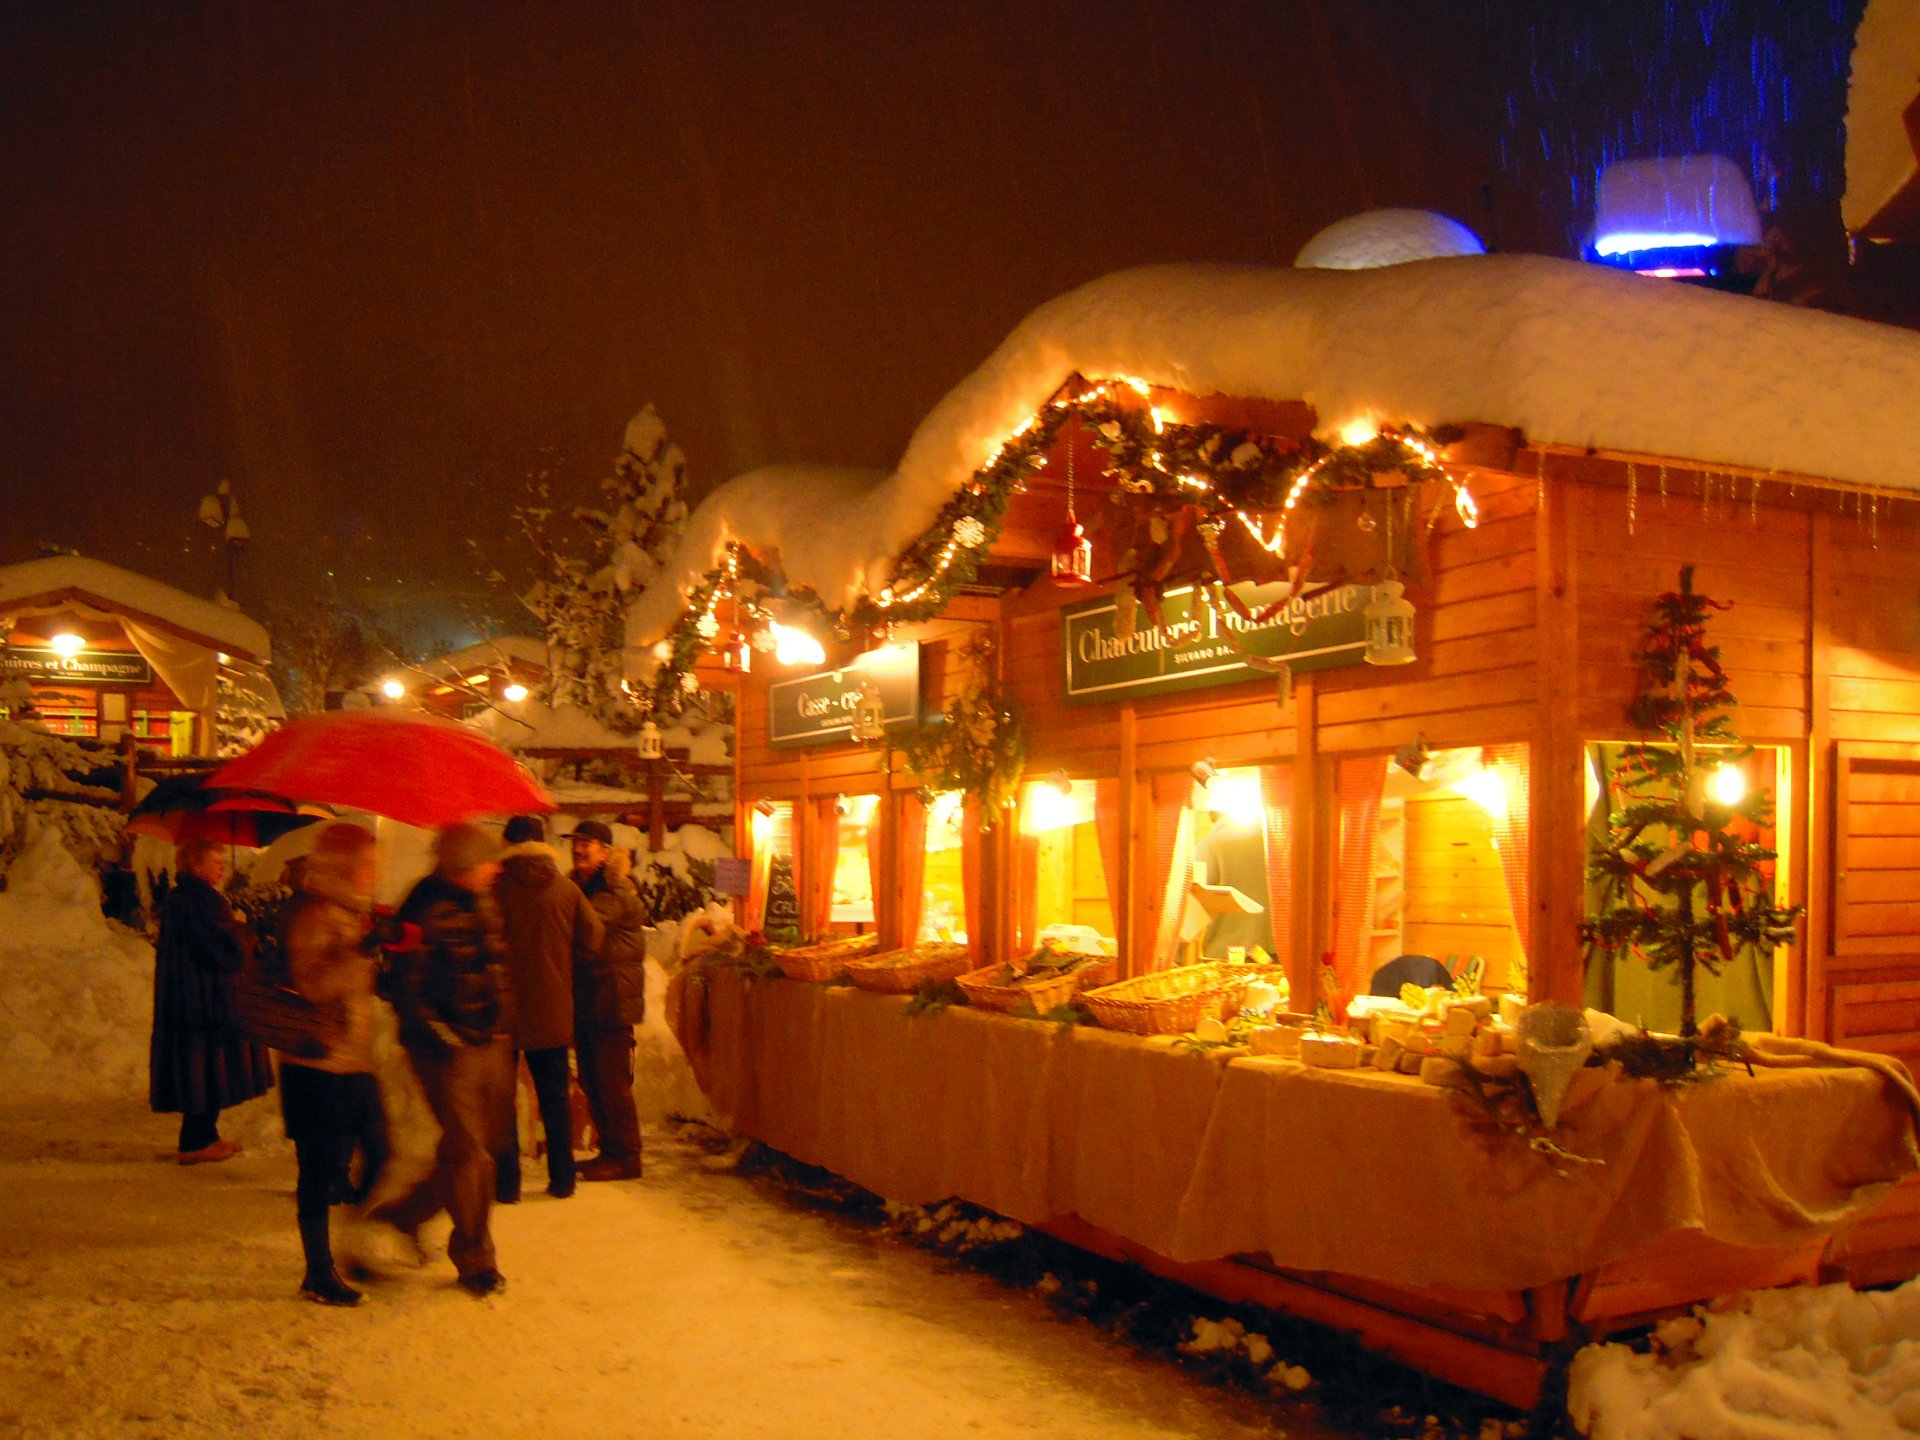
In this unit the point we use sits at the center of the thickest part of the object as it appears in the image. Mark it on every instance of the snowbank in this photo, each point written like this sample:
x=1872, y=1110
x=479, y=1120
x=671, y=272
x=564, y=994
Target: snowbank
x=1809, y=1364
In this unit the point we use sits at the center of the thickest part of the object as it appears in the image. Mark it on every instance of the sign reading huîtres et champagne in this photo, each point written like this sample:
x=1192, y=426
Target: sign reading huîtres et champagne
x=97, y=667
x=1197, y=644
x=818, y=709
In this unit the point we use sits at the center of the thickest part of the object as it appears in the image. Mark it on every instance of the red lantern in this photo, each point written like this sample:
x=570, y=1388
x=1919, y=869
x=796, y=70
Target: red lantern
x=1072, y=552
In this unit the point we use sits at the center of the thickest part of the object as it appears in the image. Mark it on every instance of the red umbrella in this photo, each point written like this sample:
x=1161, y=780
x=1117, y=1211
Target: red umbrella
x=412, y=767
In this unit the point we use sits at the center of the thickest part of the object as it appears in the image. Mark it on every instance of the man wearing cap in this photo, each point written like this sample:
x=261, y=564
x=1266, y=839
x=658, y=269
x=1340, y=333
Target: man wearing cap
x=551, y=932
x=453, y=999
x=609, y=999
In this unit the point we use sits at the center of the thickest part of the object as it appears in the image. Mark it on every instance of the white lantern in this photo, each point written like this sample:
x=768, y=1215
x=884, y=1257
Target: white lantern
x=1390, y=626
x=869, y=714
x=651, y=746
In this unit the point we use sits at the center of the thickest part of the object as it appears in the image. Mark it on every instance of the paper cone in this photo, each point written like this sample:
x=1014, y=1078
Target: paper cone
x=1554, y=1044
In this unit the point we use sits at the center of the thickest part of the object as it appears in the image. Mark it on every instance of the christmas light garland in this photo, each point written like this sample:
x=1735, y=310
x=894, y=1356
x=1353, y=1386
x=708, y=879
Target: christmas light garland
x=1179, y=475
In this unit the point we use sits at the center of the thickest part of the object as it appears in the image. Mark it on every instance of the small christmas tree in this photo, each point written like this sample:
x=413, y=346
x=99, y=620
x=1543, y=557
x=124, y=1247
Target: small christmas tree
x=1686, y=881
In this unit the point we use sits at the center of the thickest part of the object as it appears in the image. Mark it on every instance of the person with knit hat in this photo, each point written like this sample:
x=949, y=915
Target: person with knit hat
x=454, y=1003
x=331, y=1102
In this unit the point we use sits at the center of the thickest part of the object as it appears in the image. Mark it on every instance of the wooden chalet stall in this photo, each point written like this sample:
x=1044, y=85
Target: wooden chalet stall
x=1598, y=439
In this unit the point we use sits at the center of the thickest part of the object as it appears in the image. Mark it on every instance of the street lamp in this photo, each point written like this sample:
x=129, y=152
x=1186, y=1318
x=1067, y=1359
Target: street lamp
x=221, y=511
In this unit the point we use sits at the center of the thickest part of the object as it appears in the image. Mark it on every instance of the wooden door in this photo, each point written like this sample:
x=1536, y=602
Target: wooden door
x=1871, y=973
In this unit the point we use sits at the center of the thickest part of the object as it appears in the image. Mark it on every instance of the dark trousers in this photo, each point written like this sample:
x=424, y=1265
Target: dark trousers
x=199, y=1130
x=550, y=1087
x=606, y=1074
x=468, y=1090
x=328, y=1117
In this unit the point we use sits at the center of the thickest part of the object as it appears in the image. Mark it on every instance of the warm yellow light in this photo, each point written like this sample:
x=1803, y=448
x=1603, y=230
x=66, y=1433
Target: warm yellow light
x=1358, y=432
x=1236, y=795
x=1487, y=790
x=393, y=689
x=514, y=694
x=1727, y=786
x=1049, y=806
x=479, y=679
x=796, y=647
x=67, y=644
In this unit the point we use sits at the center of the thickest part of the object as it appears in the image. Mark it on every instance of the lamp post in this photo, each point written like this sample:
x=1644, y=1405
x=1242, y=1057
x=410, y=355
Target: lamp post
x=221, y=511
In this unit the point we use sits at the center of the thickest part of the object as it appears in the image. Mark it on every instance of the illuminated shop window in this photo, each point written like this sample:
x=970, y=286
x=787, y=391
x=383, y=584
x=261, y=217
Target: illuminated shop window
x=855, y=831
x=1759, y=783
x=1064, y=890
x=776, y=895
x=1234, y=856
x=943, y=905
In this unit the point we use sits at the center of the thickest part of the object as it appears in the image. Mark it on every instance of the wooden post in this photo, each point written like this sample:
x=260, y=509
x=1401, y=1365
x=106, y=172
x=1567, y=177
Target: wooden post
x=1310, y=862
x=656, y=807
x=1808, y=1008
x=1556, y=969
x=129, y=748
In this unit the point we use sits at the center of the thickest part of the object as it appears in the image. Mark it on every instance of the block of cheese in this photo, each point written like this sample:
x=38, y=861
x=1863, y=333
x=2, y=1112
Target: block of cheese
x=1410, y=1062
x=1510, y=1007
x=1281, y=1040
x=1330, y=1052
x=1439, y=1070
x=1497, y=1067
x=1210, y=1029
x=1387, y=1055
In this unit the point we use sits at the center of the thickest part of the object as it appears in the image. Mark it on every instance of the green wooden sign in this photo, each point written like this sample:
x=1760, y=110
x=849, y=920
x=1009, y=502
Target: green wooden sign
x=1201, y=645
x=818, y=709
x=95, y=667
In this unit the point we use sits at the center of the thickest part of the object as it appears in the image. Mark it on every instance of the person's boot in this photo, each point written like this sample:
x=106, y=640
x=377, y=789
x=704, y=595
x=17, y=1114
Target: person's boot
x=322, y=1283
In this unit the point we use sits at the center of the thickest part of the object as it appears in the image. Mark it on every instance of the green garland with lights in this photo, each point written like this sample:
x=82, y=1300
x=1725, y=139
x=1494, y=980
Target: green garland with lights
x=1177, y=482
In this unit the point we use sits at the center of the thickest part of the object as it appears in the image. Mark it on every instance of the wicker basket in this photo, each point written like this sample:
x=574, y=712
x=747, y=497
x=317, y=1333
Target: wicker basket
x=825, y=961
x=901, y=972
x=992, y=988
x=1167, y=1002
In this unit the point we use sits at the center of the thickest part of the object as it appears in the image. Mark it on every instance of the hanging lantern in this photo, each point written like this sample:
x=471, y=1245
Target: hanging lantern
x=737, y=654
x=869, y=714
x=651, y=746
x=1072, y=552
x=1390, y=626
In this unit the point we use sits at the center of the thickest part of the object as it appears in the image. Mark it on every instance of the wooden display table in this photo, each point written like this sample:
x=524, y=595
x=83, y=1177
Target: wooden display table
x=1365, y=1200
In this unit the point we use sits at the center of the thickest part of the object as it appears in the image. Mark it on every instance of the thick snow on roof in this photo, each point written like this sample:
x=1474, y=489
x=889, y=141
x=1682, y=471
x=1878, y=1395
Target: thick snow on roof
x=457, y=664
x=1569, y=353
x=1386, y=237
x=1884, y=82
x=205, y=619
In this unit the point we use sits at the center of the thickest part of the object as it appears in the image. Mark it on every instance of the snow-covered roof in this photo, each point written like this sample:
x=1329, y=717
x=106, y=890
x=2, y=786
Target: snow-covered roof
x=1885, y=81
x=60, y=576
x=458, y=664
x=1568, y=353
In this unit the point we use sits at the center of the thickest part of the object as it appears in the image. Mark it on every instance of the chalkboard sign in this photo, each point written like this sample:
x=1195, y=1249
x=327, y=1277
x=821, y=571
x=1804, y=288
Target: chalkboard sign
x=782, y=920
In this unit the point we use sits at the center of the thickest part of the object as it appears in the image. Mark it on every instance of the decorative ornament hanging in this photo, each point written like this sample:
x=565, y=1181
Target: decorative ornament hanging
x=652, y=747
x=708, y=625
x=969, y=532
x=1072, y=550
x=1389, y=615
x=737, y=654
x=762, y=641
x=869, y=714
x=690, y=683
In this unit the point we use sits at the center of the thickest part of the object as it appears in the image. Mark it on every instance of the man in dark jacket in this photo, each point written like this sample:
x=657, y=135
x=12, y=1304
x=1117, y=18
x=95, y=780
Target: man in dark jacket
x=452, y=997
x=550, y=930
x=609, y=999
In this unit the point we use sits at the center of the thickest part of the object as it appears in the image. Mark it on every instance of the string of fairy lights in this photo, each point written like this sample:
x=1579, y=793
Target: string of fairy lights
x=1214, y=475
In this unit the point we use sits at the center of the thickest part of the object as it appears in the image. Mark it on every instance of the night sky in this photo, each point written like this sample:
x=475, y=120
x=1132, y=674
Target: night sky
x=376, y=263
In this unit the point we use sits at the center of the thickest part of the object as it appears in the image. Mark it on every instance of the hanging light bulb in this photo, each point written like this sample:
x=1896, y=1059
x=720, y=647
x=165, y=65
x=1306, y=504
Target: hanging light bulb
x=869, y=714
x=1727, y=786
x=66, y=644
x=514, y=693
x=1072, y=559
x=652, y=747
x=795, y=647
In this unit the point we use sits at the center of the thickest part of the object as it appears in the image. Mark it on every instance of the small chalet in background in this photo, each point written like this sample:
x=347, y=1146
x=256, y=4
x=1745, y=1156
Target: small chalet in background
x=106, y=653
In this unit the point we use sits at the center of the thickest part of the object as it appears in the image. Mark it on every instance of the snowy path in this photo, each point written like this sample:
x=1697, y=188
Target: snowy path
x=138, y=1298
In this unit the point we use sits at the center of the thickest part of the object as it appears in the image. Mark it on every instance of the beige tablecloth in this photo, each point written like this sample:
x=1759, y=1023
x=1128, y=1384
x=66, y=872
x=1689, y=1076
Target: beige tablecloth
x=1198, y=1157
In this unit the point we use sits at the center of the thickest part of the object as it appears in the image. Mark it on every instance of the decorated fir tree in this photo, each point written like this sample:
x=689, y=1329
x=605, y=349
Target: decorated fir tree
x=1685, y=881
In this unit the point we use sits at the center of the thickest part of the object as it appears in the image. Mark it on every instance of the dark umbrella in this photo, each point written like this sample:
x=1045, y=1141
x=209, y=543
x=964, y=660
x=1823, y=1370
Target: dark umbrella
x=185, y=807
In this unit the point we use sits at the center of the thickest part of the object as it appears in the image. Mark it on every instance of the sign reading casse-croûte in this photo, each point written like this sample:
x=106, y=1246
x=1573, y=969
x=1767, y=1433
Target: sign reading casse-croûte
x=1198, y=645
x=819, y=709
x=86, y=667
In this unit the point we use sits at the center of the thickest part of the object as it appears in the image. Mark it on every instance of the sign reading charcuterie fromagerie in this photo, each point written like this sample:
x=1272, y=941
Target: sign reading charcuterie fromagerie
x=85, y=667
x=819, y=709
x=1197, y=644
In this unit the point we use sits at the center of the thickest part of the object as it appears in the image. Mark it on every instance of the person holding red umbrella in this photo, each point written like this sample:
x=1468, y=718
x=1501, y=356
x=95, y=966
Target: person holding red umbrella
x=452, y=995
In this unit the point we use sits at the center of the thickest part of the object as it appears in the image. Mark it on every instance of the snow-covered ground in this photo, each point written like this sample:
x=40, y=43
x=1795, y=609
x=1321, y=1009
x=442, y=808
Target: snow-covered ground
x=140, y=1298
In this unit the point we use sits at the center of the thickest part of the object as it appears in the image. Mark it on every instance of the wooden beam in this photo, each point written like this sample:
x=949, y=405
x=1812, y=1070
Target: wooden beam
x=1556, y=789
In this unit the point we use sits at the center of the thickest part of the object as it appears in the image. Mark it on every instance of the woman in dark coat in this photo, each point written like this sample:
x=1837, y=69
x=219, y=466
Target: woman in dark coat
x=200, y=1062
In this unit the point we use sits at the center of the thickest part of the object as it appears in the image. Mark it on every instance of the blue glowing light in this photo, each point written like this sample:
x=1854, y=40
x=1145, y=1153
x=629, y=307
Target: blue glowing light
x=1627, y=241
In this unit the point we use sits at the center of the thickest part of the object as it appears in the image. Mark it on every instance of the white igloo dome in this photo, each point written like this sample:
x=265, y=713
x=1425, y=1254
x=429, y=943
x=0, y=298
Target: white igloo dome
x=1375, y=238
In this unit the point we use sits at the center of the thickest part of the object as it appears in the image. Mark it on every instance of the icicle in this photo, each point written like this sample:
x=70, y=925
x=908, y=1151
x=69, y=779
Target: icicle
x=1539, y=479
x=1663, y=485
x=1633, y=495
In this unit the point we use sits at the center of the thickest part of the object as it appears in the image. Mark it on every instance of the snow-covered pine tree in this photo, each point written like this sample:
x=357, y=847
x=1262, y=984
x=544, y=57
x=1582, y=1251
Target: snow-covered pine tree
x=243, y=713
x=1686, y=882
x=50, y=779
